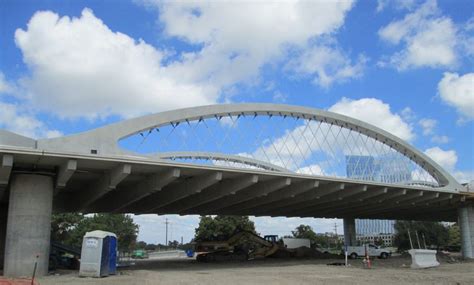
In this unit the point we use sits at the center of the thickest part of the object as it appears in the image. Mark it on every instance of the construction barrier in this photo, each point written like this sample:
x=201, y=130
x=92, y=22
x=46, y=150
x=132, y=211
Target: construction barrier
x=423, y=258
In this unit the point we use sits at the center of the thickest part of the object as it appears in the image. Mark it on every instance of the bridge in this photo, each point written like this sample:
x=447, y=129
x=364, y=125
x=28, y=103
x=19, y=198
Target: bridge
x=234, y=159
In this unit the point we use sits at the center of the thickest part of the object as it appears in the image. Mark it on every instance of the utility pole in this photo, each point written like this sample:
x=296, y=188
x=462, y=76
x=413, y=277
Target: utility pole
x=166, y=223
x=335, y=228
x=181, y=240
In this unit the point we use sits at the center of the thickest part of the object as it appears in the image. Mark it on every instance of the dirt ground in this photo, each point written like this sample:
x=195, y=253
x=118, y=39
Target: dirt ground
x=394, y=270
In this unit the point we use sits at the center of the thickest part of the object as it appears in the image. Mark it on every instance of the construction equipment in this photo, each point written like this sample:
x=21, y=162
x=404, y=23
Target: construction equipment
x=243, y=245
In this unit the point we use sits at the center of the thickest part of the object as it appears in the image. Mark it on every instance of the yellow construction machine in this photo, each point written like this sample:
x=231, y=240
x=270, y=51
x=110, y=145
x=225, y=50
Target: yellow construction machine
x=243, y=245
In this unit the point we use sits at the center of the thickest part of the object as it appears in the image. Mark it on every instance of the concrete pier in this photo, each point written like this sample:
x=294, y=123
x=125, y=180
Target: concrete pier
x=29, y=225
x=3, y=231
x=466, y=225
x=349, y=232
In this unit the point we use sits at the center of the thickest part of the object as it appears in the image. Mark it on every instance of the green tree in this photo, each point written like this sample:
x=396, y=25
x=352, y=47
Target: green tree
x=435, y=233
x=454, y=235
x=222, y=227
x=306, y=231
x=63, y=225
x=69, y=229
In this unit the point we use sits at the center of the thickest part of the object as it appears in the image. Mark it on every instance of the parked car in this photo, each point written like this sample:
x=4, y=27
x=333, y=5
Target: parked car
x=372, y=250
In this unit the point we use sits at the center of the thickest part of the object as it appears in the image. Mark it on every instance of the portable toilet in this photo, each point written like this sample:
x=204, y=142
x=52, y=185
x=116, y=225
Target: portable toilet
x=99, y=254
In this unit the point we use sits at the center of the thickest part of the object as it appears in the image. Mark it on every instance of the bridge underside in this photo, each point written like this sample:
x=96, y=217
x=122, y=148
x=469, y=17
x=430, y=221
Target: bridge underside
x=91, y=185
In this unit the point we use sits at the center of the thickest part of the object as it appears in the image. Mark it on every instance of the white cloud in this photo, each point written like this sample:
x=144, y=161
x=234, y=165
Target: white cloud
x=446, y=158
x=428, y=126
x=440, y=139
x=377, y=113
x=464, y=176
x=327, y=65
x=397, y=4
x=458, y=91
x=5, y=86
x=18, y=121
x=80, y=68
x=265, y=33
x=429, y=39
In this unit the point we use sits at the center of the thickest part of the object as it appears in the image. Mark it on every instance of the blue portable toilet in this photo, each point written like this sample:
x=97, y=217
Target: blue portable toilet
x=99, y=254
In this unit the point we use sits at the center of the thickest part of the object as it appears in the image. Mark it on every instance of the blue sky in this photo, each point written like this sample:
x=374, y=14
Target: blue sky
x=403, y=65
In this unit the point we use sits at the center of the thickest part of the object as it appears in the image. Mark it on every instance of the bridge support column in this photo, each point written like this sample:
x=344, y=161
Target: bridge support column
x=466, y=225
x=3, y=231
x=349, y=232
x=29, y=225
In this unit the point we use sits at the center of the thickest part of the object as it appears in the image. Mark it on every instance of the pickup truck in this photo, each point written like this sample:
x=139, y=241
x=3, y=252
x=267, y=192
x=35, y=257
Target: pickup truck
x=372, y=250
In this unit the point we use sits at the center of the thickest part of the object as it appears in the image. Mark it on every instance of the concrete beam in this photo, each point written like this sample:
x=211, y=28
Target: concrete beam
x=224, y=188
x=171, y=194
x=155, y=183
x=6, y=165
x=384, y=205
x=325, y=195
x=425, y=198
x=326, y=200
x=291, y=191
x=273, y=207
x=105, y=184
x=247, y=194
x=408, y=209
x=66, y=170
x=350, y=207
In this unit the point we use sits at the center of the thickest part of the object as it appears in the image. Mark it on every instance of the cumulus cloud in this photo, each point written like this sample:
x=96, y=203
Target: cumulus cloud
x=445, y=158
x=377, y=113
x=239, y=39
x=12, y=118
x=428, y=39
x=448, y=159
x=458, y=91
x=440, y=139
x=5, y=86
x=397, y=4
x=81, y=68
x=428, y=126
x=327, y=65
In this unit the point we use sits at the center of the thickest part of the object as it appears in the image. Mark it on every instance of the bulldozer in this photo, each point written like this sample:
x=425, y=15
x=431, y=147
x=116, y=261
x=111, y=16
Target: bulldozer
x=241, y=246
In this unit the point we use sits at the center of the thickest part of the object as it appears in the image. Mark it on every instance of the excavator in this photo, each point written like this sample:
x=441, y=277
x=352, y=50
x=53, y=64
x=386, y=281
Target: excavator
x=243, y=245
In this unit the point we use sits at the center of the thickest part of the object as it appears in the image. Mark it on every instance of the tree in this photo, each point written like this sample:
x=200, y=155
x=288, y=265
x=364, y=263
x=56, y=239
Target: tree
x=222, y=227
x=435, y=233
x=70, y=229
x=62, y=226
x=306, y=231
x=454, y=236
x=141, y=245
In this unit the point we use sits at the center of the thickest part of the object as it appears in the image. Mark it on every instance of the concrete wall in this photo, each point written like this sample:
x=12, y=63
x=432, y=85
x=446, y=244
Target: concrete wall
x=29, y=225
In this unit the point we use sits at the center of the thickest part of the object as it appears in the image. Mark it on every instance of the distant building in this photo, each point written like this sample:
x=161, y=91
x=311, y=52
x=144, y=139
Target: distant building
x=386, y=239
x=373, y=227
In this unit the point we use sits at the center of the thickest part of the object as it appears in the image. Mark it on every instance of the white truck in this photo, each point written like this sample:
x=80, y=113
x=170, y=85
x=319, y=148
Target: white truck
x=292, y=243
x=355, y=251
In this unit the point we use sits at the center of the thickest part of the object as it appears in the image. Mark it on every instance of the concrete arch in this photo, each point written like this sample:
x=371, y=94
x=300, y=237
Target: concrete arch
x=104, y=140
x=221, y=157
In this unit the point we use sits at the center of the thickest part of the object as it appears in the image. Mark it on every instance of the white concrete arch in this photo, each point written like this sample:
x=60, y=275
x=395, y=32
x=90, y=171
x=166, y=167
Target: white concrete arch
x=104, y=141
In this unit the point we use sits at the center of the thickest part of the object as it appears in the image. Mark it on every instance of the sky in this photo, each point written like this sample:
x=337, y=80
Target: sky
x=405, y=66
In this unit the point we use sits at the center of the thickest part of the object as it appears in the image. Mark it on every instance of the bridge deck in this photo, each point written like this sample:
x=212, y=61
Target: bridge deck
x=91, y=183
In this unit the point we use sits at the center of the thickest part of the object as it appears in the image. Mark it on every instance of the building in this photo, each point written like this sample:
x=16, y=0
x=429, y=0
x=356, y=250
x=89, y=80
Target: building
x=380, y=239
